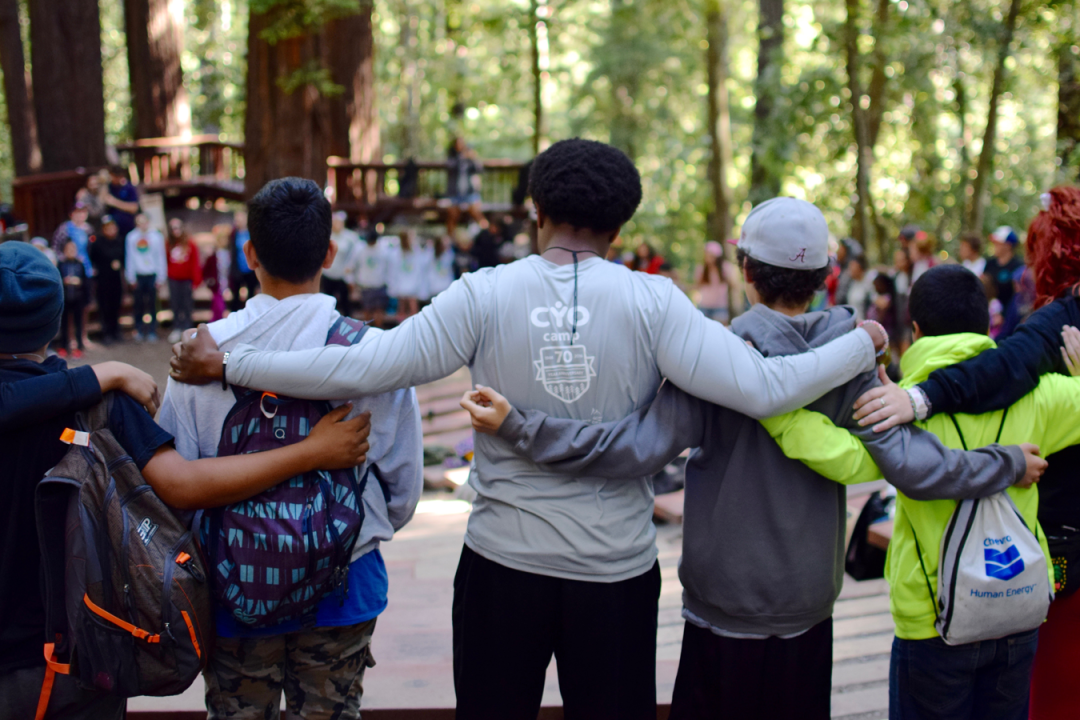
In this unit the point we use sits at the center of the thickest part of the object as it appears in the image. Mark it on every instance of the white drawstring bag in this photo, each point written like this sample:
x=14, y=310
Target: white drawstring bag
x=992, y=574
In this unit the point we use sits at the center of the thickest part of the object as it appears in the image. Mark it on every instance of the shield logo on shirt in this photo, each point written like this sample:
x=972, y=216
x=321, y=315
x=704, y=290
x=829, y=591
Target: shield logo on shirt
x=565, y=371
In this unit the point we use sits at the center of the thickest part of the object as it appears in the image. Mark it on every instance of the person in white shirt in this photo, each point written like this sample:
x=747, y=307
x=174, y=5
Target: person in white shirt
x=369, y=271
x=145, y=269
x=337, y=279
x=406, y=274
x=556, y=565
x=441, y=269
x=970, y=252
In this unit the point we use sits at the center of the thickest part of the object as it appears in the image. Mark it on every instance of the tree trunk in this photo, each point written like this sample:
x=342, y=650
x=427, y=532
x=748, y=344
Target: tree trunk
x=154, y=42
x=410, y=80
x=720, y=161
x=625, y=78
x=65, y=47
x=865, y=153
x=879, y=79
x=1068, y=115
x=765, y=160
x=24, y=144
x=986, y=154
x=354, y=119
x=285, y=132
x=534, y=46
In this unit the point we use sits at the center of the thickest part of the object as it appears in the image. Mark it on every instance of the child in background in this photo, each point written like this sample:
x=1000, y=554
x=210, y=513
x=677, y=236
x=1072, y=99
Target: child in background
x=185, y=274
x=441, y=269
x=43, y=245
x=240, y=275
x=337, y=280
x=405, y=274
x=145, y=268
x=107, y=253
x=922, y=255
x=970, y=252
x=859, y=287
x=369, y=270
x=714, y=279
x=216, y=272
x=73, y=275
x=79, y=231
x=902, y=286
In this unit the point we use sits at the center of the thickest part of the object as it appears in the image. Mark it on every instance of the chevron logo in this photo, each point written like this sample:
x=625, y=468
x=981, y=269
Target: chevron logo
x=1004, y=564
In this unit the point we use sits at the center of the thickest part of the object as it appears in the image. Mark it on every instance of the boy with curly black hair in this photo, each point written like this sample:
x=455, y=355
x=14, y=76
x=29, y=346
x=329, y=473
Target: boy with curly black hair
x=551, y=566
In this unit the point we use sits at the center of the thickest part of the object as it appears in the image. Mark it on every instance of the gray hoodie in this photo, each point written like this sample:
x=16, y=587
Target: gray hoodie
x=763, y=542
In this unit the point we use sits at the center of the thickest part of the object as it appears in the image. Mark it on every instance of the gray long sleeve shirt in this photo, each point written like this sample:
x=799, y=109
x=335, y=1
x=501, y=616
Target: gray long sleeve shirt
x=763, y=535
x=518, y=328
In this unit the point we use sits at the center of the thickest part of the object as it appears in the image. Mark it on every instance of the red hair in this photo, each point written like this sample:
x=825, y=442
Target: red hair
x=1053, y=244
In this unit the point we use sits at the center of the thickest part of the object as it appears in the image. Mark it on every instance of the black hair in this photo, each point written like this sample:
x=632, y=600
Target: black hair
x=289, y=222
x=586, y=184
x=118, y=170
x=949, y=299
x=787, y=286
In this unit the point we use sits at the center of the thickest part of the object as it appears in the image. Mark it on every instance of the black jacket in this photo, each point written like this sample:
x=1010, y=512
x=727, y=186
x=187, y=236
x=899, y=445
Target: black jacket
x=996, y=379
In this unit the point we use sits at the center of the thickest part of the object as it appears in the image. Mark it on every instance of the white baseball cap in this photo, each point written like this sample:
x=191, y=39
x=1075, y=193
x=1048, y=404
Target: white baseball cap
x=787, y=233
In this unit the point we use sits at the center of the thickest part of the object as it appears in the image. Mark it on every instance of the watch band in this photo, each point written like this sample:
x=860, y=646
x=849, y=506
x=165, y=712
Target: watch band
x=224, y=367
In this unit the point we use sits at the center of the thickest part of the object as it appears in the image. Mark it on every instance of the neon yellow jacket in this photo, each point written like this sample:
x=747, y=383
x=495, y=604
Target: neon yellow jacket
x=1047, y=416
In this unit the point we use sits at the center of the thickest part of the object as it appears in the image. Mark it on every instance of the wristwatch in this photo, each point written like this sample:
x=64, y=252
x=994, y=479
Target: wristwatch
x=224, y=367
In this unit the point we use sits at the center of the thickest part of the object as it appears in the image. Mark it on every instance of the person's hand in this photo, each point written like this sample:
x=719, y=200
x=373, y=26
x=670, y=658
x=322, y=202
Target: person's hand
x=487, y=408
x=196, y=359
x=120, y=376
x=888, y=405
x=1070, y=350
x=1036, y=466
x=876, y=332
x=336, y=443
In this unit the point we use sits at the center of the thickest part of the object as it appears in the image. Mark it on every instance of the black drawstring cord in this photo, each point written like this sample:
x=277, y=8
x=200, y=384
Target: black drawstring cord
x=573, y=310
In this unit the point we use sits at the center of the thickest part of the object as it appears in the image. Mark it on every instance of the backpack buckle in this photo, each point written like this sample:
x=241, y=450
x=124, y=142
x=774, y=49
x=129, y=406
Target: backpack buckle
x=262, y=405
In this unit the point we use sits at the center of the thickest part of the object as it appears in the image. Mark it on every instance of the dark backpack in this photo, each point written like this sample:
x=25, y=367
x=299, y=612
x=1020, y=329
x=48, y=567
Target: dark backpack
x=126, y=597
x=275, y=556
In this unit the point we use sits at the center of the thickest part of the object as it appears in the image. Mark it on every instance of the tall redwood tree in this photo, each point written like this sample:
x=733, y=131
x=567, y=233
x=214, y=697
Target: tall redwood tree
x=24, y=145
x=65, y=46
x=154, y=44
x=354, y=117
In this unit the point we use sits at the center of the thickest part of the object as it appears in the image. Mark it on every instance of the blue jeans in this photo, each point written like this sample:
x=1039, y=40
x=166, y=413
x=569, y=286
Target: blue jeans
x=988, y=680
x=144, y=302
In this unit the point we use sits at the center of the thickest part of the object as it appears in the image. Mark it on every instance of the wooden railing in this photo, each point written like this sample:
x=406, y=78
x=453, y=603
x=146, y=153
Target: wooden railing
x=44, y=201
x=201, y=158
x=207, y=167
x=375, y=188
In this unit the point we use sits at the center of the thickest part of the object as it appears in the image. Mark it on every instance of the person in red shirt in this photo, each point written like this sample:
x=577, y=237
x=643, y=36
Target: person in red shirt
x=185, y=274
x=646, y=259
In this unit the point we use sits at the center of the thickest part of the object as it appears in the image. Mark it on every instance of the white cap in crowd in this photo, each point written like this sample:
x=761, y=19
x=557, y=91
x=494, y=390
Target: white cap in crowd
x=787, y=233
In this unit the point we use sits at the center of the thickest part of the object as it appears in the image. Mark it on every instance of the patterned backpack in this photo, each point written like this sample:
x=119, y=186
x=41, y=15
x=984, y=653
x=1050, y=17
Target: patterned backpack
x=275, y=556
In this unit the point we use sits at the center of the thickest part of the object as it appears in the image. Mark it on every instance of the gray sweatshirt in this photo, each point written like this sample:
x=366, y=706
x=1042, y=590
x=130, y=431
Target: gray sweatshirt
x=763, y=535
x=518, y=328
x=195, y=414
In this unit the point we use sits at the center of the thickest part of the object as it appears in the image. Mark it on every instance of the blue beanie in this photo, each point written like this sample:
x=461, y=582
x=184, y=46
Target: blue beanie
x=31, y=298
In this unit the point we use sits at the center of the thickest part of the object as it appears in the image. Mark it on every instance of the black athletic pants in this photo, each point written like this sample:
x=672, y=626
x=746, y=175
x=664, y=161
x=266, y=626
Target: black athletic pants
x=110, y=293
x=768, y=679
x=338, y=289
x=507, y=624
x=236, y=282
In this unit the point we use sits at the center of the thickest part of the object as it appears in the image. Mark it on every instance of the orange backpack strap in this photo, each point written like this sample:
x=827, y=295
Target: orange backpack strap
x=52, y=667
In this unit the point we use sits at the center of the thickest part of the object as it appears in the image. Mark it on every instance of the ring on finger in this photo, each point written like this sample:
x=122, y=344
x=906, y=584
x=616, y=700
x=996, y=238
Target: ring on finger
x=882, y=402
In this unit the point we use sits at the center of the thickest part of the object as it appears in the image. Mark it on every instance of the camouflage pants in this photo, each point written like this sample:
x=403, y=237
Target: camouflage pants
x=321, y=671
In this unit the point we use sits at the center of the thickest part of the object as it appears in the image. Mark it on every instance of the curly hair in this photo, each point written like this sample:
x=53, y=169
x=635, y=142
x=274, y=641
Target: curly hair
x=586, y=184
x=1053, y=244
x=787, y=286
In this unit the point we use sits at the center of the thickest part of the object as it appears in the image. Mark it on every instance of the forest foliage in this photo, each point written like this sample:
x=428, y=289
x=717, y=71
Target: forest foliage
x=633, y=72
